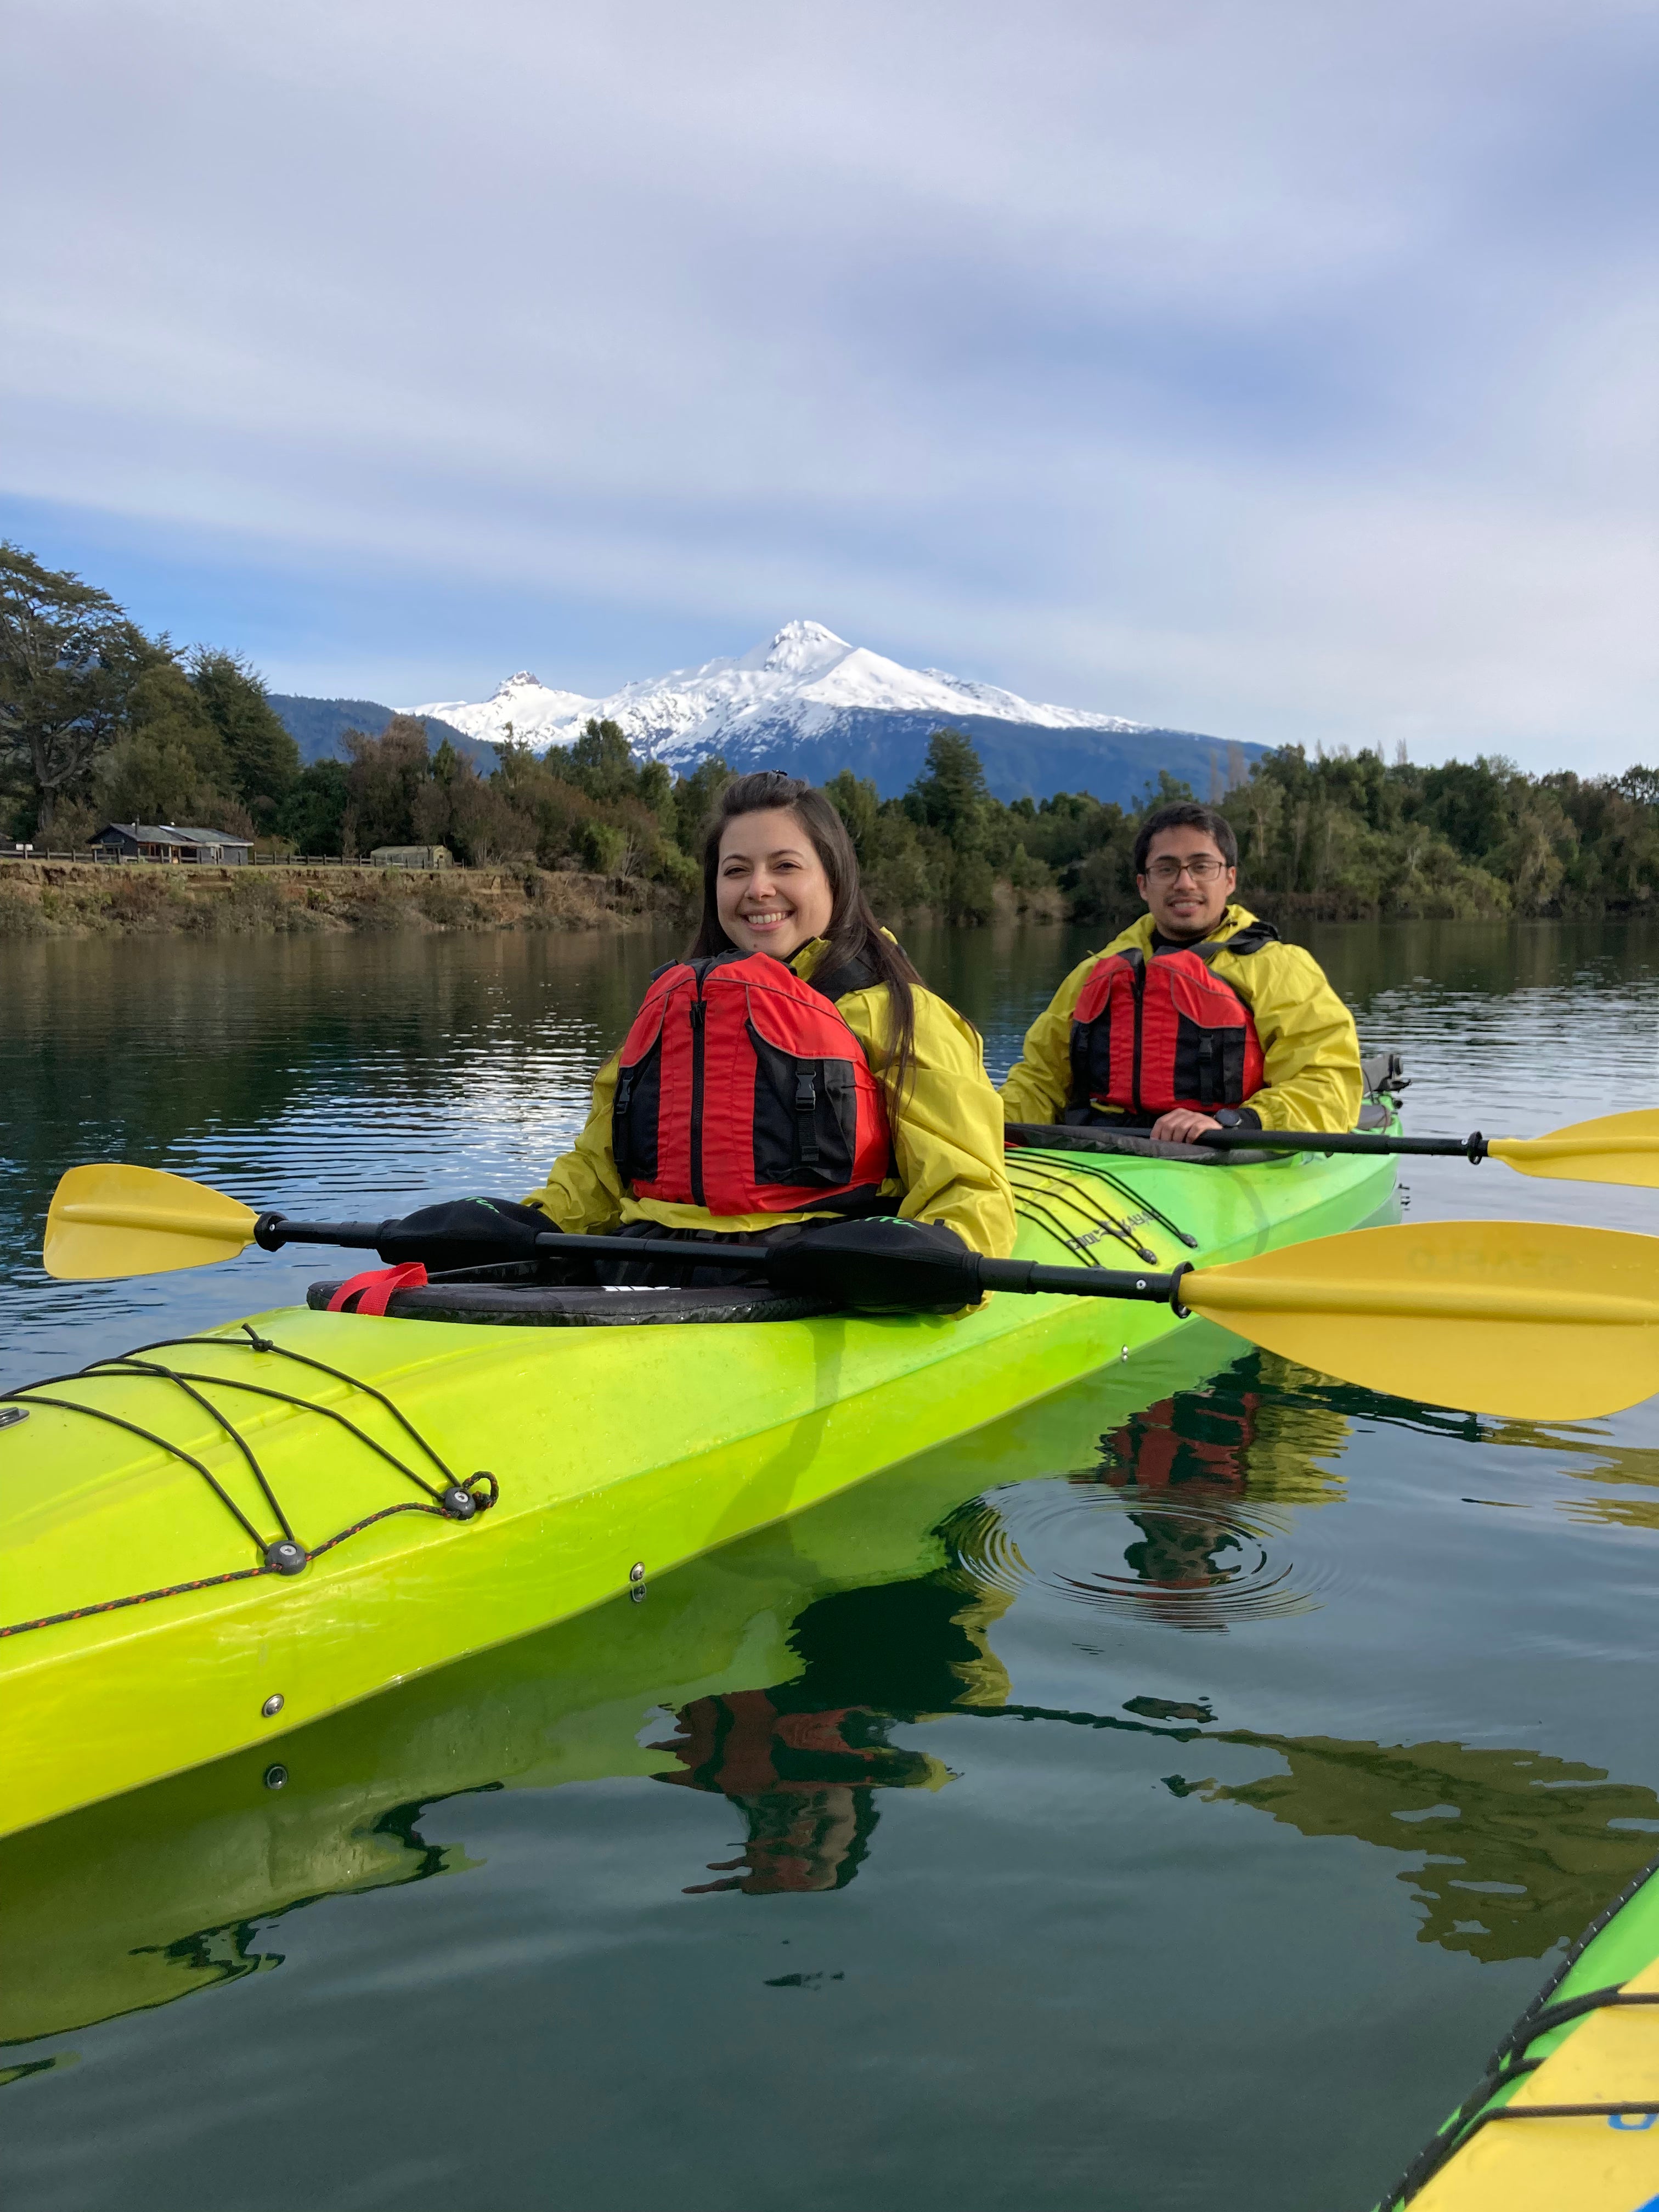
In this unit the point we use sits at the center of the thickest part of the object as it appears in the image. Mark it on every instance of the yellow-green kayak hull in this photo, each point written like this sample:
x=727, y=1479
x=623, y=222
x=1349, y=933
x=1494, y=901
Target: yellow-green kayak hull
x=620, y=1452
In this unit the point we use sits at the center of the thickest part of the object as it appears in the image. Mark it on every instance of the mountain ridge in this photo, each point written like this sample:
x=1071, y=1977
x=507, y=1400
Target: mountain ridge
x=809, y=701
x=317, y=727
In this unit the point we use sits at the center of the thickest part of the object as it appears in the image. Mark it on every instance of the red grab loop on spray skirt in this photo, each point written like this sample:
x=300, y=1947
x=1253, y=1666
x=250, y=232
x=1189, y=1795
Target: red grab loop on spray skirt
x=368, y=1294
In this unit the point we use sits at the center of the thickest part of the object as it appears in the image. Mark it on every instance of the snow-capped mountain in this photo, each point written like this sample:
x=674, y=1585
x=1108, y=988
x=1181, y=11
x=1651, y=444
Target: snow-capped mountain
x=810, y=702
x=523, y=707
x=806, y=677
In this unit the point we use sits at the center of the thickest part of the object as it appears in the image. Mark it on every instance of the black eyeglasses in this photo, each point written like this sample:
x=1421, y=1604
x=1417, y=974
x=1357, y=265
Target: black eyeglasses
x=1203, y=870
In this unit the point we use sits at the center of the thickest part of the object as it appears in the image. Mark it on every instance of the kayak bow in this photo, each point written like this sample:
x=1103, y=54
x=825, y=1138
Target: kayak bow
x=1568, y=2112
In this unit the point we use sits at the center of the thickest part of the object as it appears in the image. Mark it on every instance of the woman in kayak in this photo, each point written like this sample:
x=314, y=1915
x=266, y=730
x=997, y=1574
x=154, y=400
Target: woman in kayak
x=790, y=1073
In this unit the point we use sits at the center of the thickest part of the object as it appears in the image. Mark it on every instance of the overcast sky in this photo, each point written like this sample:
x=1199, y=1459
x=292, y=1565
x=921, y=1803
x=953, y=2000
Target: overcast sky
x=1278, y=369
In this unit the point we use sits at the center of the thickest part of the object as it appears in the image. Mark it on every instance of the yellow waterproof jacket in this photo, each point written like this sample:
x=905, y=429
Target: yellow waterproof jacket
x=947, y=1141
x=1311, y=1078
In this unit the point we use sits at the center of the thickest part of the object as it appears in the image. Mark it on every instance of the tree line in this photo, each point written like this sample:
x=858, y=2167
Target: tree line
x=98, y=723
x=1341, y=836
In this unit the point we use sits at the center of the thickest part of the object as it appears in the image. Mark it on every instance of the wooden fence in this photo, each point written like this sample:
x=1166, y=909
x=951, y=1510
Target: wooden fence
x=102, y=856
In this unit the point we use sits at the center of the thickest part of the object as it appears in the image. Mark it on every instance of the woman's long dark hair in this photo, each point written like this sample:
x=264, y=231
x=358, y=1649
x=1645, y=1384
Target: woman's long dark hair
x=853, y=935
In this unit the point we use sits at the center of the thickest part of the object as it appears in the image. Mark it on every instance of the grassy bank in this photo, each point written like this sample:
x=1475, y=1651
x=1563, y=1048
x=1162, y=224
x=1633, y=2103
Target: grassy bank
x=69, y=898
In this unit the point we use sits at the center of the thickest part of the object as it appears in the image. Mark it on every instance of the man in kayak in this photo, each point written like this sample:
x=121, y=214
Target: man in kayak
x=1197, y=1017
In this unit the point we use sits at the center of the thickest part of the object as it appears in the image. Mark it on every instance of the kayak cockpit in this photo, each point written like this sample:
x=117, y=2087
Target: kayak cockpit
x=512, y=1296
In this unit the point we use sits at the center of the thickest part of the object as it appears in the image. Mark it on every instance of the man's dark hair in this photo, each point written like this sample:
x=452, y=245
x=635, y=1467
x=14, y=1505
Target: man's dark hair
x=1186, y=814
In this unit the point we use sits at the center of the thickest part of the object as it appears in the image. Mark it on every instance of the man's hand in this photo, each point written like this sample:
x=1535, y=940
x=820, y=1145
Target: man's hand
x=1182, y=1127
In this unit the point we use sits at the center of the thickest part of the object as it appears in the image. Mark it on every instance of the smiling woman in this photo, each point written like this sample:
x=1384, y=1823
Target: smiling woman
x=779, y=873
x=791, y=1075
x=772, y=893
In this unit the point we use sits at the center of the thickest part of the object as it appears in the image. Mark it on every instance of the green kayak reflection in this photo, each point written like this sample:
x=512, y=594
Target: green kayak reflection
x=792, y=1674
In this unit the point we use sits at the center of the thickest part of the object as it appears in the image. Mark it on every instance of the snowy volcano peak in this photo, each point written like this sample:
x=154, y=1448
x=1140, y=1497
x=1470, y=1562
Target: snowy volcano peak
x=801, y=682
x=523, y=706
x=800, y=649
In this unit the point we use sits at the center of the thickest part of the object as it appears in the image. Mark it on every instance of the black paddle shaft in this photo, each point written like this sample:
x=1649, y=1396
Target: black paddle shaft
x=1351, y=1140
x=901, y=1279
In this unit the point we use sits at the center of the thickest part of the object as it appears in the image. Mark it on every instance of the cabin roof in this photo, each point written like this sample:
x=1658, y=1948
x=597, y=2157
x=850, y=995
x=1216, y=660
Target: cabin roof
x=170, y=833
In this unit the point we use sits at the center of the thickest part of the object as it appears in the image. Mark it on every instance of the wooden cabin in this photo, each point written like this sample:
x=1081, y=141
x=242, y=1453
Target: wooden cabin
x=411, y=856
x=148, y=841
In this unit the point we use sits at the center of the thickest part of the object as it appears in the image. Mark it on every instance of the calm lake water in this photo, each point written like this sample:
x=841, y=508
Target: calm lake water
x=1119, y=1809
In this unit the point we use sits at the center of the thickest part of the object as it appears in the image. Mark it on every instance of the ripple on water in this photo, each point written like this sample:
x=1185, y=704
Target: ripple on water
x=1204, y=1562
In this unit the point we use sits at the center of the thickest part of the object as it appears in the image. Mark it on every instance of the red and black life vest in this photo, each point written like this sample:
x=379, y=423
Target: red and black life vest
x=741, y=1089
x=1149, y=1035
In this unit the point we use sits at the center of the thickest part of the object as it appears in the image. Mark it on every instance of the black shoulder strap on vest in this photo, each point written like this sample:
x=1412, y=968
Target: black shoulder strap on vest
x=854, y=974
x=1250, y=938
x=701, y=967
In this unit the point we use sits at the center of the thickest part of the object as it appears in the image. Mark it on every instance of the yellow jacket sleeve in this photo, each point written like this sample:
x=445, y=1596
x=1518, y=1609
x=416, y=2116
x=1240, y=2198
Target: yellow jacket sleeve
x=1311, y=1077
x=947, y=1139
x=583, y=1193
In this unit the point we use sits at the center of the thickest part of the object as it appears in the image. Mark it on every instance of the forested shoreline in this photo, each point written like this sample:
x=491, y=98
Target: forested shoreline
x=98, y=722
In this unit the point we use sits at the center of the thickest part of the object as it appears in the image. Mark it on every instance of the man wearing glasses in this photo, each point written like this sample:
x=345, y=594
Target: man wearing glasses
x=1197, y=1017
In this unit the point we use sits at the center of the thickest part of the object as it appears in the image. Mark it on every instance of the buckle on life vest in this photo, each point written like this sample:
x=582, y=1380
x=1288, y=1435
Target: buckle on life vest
x=369, y=1293
x=807, y=1107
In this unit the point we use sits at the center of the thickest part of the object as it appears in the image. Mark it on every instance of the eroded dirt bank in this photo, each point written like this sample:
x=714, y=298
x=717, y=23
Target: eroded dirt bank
x=75, y=898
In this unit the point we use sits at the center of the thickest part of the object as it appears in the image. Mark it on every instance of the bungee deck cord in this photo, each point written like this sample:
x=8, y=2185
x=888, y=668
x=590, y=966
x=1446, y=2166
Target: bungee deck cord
x=452, y=1499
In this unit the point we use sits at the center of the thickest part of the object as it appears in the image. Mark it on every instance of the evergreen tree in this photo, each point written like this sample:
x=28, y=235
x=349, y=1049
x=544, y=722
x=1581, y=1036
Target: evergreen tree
x=855, y=798
x=68, y=657
x=598, y=763
x=264, y=761
x=694, y=802
x=170, y=764
x=477, y=822
x=383, y=778
x=657, y=793
x=313, y=815
x=950, y=794
x=1464, y=800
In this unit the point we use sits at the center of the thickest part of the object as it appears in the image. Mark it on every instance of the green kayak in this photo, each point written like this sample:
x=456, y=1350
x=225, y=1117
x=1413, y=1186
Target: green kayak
x=170, y=1891
x=1567, y=2115
x=215, y=1539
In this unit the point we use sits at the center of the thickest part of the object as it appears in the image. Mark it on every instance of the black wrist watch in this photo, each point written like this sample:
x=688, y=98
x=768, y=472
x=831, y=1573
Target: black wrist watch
x=1229, y=1117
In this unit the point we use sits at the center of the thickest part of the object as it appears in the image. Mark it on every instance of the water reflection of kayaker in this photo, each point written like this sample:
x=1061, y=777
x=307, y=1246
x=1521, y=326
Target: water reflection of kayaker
x=1193, y=1442
x=1195, y=1018
x=802, y=1760
x=1191, y=1451
x=803, y=1780
x=792, y=1072
x=1184, y=1551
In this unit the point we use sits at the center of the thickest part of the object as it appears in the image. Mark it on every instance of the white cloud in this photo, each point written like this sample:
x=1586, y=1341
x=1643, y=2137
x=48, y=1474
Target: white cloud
x=1276, y=370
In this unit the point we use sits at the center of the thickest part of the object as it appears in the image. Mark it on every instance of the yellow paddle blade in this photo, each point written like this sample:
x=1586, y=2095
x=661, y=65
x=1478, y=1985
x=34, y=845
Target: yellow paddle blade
x=115, y=1220
x=1616, y=1148
x=1531, y=1320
